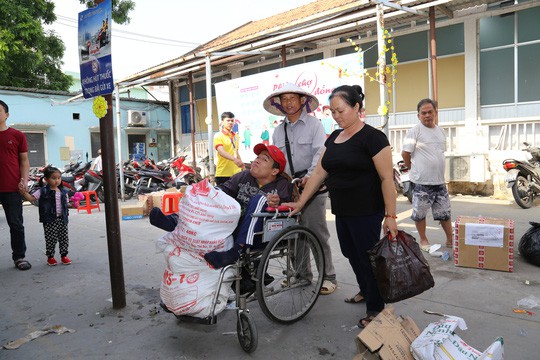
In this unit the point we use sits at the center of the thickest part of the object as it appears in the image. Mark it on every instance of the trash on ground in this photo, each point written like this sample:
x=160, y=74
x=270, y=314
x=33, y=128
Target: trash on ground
x=439, y=341
x=523, y=311
x=58, y=329
x=529, y=302
x=387, y=336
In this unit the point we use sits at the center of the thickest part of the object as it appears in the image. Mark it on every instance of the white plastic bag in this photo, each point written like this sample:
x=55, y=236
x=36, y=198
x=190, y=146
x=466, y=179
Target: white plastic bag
x=438, y=341
x=529, y=302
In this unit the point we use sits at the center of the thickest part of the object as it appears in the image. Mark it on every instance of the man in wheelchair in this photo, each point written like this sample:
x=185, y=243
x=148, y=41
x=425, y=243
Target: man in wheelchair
x=261, y=186
x=264, y=184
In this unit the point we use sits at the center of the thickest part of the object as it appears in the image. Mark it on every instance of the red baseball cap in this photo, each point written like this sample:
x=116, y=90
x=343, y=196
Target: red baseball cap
x=274, y=152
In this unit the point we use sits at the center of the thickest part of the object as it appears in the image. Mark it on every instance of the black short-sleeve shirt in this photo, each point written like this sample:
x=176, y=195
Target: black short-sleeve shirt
x=353, y=181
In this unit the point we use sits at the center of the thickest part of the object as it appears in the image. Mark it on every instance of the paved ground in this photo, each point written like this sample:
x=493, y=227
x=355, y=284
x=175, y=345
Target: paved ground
x=79, y=297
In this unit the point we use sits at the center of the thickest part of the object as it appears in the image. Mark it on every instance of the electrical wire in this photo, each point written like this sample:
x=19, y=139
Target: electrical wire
x=73, y=23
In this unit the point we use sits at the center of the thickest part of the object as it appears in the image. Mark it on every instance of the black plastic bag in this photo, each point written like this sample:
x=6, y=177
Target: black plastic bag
x=400, y=268
x=529, y=245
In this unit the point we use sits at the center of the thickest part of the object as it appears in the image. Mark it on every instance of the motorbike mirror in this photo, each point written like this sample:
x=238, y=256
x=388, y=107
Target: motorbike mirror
x=87, y=156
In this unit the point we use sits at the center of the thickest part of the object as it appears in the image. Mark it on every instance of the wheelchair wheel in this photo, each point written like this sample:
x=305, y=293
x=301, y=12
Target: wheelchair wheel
x=290, y=275
x=247, y=332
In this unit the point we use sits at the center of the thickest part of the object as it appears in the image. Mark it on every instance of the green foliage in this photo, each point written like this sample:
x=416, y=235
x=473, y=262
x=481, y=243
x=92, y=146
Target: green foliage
x=120, y=11
x=31, y=57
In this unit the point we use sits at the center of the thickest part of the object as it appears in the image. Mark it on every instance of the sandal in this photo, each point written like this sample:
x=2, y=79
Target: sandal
x=327, y=287
x=22, y=264
x=425, y=247
x=365, y=321
x=356, y=299
x=448, y=245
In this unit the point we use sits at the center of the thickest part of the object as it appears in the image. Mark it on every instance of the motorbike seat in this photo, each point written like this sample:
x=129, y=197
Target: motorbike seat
x=68, y=179
x=159, y=173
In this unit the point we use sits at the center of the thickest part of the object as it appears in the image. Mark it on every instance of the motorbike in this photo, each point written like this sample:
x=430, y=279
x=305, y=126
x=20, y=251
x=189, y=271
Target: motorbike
x=94, y=182
x=182, y=173
x=524, y=177
x=153, y=180
x=401, y=180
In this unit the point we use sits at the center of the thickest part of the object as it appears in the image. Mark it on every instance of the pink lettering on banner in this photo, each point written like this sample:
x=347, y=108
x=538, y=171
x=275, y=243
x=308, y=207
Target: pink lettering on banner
x=251, y=88
x=307, y=81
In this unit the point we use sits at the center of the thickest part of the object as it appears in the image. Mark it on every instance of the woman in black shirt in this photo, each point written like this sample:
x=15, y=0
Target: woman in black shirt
x=357, y=166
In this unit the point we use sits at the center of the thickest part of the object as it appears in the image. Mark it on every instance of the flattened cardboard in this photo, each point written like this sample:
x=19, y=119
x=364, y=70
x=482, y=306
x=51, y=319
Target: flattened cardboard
x=128, y=210
x=484, y=257
x=387, y=337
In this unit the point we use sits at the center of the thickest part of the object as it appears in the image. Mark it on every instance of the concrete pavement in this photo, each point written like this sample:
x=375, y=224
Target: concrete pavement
x=78, y=297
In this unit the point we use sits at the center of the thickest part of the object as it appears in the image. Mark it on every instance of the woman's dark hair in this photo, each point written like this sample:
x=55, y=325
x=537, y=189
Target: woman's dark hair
x=352, y=95
x=49, y=170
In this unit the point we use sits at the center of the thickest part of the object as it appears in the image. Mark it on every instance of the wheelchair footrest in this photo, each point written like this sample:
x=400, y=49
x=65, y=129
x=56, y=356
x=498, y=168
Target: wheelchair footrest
x=209, y=320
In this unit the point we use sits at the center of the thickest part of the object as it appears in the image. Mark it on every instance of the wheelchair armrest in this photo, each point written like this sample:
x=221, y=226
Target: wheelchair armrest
x=280, y=208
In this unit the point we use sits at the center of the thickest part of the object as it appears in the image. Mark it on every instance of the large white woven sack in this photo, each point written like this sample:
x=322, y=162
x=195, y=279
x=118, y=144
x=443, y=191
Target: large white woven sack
x=189, y=285
x=207, y=216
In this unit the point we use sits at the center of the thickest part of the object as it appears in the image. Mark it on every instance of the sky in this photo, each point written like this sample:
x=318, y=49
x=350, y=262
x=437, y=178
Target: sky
x=162, y=30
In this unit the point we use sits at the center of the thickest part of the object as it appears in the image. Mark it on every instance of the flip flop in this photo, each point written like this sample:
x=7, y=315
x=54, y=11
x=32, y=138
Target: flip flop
x=22, y=264
x=352, y=299
x=425, y=247
x=363, y=323
x=327, y=287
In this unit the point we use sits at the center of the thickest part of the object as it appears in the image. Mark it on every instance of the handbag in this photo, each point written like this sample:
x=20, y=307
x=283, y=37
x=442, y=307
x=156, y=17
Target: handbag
x=301, y=173
x=400, y=268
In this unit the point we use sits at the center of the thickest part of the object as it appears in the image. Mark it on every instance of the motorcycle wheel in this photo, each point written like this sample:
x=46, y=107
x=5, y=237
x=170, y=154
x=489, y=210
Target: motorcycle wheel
x=522, y=193
x=128, y=192
x=407, y=191
x=101, y=194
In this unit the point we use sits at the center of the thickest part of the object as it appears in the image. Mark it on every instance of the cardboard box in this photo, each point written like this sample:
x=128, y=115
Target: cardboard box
x=131, y=212
x=484, y=243
x=147, y=202
x=387, y=337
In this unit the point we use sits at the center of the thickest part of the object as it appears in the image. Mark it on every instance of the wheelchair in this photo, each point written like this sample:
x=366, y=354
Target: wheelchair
x=286, y=271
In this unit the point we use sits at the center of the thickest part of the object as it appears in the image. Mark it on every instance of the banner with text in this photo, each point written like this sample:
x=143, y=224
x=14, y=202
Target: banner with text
x=95, y=50
x=244, y=96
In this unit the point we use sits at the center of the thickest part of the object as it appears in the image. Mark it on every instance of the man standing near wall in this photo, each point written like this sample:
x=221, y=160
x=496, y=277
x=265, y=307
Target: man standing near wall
x=301, y=138
x=15, y=165
x=423, y=153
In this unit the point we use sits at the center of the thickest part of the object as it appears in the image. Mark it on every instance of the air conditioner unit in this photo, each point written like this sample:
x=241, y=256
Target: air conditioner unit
x=458, y=168
x=467, y=168
x=136, y=118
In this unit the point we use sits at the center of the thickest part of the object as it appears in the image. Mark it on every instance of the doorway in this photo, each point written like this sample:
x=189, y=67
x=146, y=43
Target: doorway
x=137, y=146
x=36, y=149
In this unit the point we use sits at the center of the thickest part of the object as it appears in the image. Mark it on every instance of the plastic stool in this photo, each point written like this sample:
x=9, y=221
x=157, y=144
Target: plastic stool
x=88, y=206
x=169, y=202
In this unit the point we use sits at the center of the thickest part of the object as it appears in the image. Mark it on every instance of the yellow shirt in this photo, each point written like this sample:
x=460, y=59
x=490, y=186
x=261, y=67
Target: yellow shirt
x=226, y=167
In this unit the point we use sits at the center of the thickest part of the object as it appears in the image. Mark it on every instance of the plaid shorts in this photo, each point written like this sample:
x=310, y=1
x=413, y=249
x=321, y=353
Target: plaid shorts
x=430, y=196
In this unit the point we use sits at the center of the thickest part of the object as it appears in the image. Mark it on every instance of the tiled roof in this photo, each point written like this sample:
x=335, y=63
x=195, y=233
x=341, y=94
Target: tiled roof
x=304, y=15
x=305, y=26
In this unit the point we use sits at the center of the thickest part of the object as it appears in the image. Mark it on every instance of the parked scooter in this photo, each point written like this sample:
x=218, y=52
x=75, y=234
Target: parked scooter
x=153, y=180
x=524, y=177
x=401, y=180
x=94, y=182
x=183, y=174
